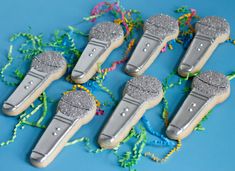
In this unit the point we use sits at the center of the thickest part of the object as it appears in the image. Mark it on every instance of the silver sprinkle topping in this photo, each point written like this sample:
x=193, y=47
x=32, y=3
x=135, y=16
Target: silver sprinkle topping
x=106, y=31
x=161, y=25
x=49, y=62
x=143, y=87
x=213, y=26
x=211, y=83
x=77, y=104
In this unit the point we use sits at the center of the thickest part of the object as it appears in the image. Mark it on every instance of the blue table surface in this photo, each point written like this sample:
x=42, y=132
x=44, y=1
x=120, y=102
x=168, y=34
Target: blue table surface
x=212, y=149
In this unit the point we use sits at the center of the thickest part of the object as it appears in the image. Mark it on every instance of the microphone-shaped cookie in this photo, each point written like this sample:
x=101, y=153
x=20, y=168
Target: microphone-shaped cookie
x=45, y=68
x=74, y=110
x=208, y=90
x=140, y=94
x=210, y=32
x=103, y=39
x=158, y=30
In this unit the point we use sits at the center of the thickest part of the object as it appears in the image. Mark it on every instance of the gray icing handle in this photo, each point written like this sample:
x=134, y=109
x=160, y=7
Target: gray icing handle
x=190, y=110
x=93, y=51
x=200, y=46
x=31, y=83
x=121, y=121
x=148, y=46
x=53, y=139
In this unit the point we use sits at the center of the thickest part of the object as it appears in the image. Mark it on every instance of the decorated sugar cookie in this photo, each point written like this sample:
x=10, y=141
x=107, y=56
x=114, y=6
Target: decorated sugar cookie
x=158, y=30
x=210, y=32
x=208, y=90
x=74, y=110
x=45, y=68
x=140, y=94
x=103, y=39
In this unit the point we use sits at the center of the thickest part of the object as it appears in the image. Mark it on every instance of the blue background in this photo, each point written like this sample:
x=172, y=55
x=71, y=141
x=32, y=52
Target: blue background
x=210, y=150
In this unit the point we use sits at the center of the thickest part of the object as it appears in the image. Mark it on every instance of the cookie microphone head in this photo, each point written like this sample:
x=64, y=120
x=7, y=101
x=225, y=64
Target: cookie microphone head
x=140, y=94
x=74, y=110
x=210, y=32
x=208, y=90
x=45, y=68
x=158, y=30
x=103, y=39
